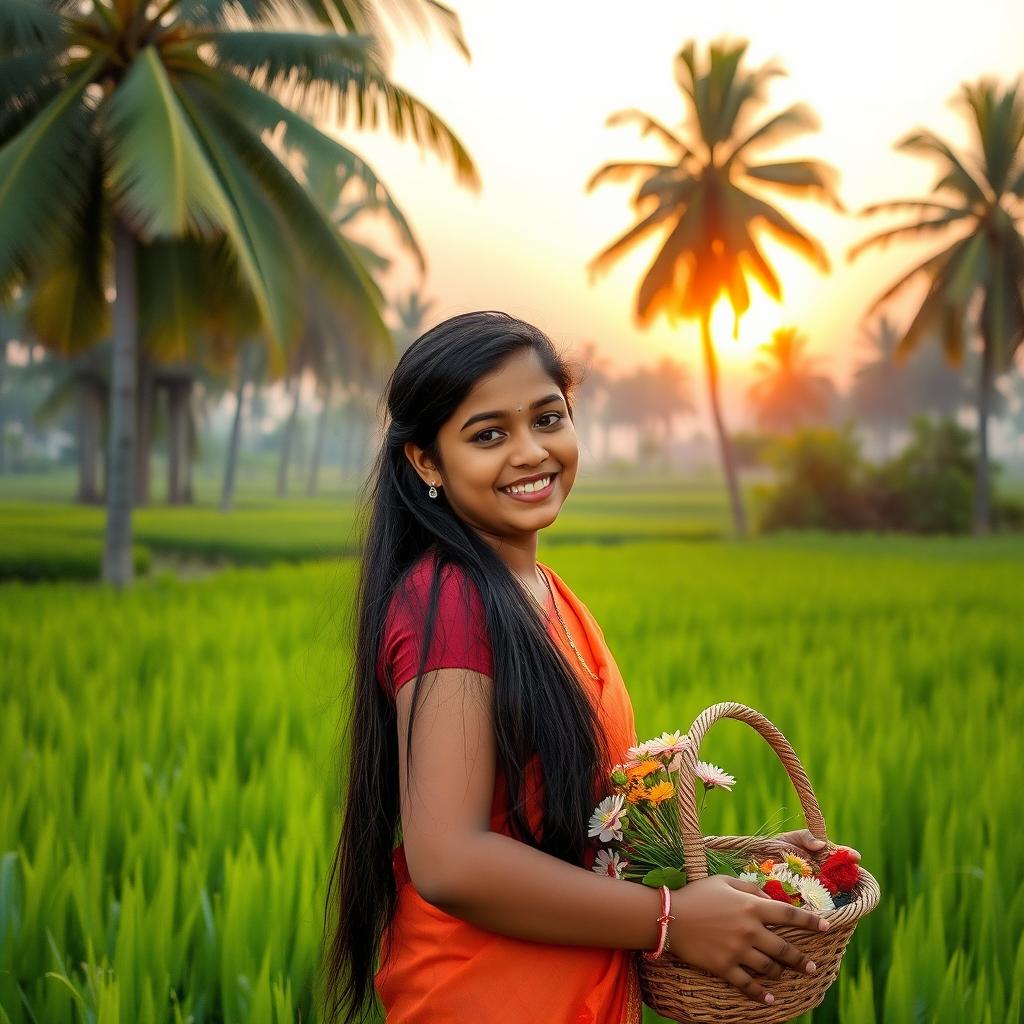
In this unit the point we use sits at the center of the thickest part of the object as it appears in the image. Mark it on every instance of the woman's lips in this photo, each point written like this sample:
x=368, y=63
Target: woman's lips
x=533, y=496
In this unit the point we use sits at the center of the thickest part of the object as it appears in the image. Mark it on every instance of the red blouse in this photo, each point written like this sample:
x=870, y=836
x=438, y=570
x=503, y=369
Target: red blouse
x=460, y=633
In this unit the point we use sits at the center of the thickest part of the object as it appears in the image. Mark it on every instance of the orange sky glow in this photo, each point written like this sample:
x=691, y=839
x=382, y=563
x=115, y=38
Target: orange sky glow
x=531, y=107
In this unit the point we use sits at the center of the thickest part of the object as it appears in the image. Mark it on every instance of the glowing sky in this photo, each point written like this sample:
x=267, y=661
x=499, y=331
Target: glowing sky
x=531, y=108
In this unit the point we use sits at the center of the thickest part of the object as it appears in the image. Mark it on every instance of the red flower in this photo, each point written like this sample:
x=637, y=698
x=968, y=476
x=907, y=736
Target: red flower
x=773, y=887
x=839, y=873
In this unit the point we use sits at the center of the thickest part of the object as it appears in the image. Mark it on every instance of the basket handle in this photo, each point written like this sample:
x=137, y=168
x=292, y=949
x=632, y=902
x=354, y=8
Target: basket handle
x=694, y=847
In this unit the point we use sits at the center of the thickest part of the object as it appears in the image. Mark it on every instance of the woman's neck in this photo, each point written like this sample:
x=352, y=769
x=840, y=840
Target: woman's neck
x=521, y=558
x=520, y=555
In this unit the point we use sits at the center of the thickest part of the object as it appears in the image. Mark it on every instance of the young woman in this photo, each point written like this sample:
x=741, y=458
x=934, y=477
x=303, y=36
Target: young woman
x=486, y=711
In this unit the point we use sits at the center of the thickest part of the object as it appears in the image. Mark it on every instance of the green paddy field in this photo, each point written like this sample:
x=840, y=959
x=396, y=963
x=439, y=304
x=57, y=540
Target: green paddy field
x=171, y=763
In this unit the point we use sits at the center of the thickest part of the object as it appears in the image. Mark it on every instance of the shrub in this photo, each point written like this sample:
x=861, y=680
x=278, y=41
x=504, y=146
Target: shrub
x=751, y=449
x=928, y=488
x=33, y=555
x=820, y=469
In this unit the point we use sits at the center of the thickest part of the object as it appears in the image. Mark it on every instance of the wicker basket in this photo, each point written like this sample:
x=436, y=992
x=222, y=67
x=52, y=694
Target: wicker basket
x=693, y=996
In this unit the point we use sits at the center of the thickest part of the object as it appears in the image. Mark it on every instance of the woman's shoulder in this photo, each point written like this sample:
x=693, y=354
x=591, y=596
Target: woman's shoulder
x=457, y=593
x=421, y=573
x=459, y=637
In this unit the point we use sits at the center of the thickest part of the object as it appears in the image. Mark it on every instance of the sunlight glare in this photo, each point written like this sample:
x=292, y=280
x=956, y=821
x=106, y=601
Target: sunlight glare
x=763, y=316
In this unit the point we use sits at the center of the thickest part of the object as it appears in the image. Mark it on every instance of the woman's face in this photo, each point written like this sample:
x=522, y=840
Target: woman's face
x=512, y=425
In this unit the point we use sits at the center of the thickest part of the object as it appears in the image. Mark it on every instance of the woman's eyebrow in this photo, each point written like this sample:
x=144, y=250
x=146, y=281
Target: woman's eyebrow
x=499, y=414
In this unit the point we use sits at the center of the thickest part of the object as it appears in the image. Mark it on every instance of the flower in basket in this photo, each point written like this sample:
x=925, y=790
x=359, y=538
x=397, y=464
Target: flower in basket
x=641, y=817
x=775, y=888
x=792, y=879
x=607, y=820
x=609, y=863
x=840, y=873
x=668, y=748
x=797, y=865
x=712, y=776
x=815, y=895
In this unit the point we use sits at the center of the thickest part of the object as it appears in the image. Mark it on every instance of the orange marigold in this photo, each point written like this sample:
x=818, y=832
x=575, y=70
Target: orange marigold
x=797, y=865
x=644, y=768
x=660, y=792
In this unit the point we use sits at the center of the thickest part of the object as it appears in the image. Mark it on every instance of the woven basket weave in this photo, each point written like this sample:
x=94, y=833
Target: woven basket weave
x=690, y=995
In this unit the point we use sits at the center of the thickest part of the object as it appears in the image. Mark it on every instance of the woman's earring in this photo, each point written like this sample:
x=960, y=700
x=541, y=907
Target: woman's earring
x=433, y=491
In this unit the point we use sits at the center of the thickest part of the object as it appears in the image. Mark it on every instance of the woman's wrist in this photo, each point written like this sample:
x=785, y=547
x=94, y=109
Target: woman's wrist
x=675, y=909
x=663, y=919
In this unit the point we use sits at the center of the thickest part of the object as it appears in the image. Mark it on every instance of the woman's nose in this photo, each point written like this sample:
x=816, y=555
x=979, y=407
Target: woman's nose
x=530, y=451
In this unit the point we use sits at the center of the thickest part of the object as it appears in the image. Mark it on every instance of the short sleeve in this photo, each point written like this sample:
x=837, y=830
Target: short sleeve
x=460, y=632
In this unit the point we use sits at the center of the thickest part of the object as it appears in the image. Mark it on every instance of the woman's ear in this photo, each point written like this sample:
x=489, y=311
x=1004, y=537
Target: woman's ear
x=421, y=463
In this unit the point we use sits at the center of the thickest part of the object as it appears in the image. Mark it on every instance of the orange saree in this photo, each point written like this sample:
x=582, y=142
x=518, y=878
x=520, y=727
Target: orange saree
x=443, y=970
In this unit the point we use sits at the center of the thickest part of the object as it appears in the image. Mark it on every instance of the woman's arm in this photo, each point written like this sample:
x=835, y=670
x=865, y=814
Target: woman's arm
x=489, y=879
x=506, y=886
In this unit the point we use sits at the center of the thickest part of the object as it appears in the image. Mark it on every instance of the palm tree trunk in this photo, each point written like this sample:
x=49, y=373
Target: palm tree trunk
x=286, y=439
x=351, y=441
x=318, y=444
x=189, y=443
x=724, y=446
x=360, y=436
x=982, y=496
x=3, y=411
x=227, y=494
x=177, y=440
x=146, y=398
x=117, y=550
x=88, y=442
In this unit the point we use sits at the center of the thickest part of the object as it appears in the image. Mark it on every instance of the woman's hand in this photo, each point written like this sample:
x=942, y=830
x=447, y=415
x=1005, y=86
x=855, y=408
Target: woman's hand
x=803, y=839
x=721, y=926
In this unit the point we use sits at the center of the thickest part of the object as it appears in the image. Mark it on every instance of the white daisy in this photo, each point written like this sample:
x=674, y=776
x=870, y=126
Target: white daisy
x=667, y=743
x=635, y=755
x=815, y=895
x=670, y=746
x=608, y=862
x=749, y=876
x=608, y=818
x=713, y=777
x=783, y=874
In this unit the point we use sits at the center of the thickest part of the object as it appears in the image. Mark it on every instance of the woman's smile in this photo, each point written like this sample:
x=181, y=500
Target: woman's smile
x=533, y=496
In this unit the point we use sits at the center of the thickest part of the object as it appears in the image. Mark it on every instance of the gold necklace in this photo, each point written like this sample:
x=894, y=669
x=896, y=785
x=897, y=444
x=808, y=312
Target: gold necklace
x=565, y=628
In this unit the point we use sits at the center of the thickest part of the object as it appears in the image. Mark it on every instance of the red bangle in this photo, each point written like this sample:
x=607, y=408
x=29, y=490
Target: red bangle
x=666, y=897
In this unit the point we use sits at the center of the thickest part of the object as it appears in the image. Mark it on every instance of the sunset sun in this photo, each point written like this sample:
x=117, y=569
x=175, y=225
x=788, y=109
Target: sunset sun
x=757, y=323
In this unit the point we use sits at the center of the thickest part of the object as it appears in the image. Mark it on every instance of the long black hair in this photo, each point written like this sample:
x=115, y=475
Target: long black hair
x=540, y=707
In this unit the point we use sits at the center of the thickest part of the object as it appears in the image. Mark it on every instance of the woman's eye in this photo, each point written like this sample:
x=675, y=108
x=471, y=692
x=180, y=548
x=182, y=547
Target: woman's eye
x=491, y=430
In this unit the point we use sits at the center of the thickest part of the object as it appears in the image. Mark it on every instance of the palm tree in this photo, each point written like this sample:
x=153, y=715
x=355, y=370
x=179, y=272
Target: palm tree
x=978, y=197
x=593, y=395
x=701, y=197
x=251, y=363
x=412, y=311
x=325, y=346
x=668, y=390
x=885, y=393
x=878, y=392
x=130, y=136
x=788, y=391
